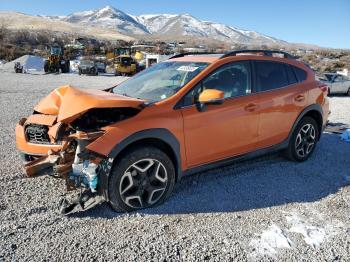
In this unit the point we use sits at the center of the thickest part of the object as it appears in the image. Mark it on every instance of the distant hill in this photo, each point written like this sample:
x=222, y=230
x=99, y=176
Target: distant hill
x=19, y=21
x=165, y=25
x=109, y=23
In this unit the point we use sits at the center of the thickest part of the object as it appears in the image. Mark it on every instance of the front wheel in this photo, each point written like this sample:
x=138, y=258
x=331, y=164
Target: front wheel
x=303, y=140
x=142, y=178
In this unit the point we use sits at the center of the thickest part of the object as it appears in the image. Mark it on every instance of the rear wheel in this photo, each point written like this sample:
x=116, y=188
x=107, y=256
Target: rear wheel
x=142, y=178
x=303, y=140
x=348, y=93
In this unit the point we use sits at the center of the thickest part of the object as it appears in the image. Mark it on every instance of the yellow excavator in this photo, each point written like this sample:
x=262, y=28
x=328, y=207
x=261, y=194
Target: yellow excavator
x=56, y=62
x=124, y=64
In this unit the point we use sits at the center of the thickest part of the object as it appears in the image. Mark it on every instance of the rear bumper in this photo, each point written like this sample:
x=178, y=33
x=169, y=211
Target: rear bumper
x=32, y=149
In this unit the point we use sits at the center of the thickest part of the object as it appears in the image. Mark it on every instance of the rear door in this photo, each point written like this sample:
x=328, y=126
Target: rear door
x=338, y=84
x=225, y=130
x=282, y=98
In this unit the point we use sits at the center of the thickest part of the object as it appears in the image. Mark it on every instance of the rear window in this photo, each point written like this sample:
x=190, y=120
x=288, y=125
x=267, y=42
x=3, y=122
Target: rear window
x=300, y=73
x=270, y=75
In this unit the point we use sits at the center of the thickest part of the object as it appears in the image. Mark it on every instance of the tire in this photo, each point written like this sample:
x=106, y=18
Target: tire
x=303, y=140
x=348, y=93
x=46, y=66
x=135, y=183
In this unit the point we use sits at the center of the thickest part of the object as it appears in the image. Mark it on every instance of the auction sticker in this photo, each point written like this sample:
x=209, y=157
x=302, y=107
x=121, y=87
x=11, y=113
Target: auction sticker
x=187, y=68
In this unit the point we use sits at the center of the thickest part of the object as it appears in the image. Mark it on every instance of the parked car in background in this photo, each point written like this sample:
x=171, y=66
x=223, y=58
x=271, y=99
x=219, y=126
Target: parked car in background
x=88, y=67
x=101, y=67
x=130, y=144
x=338, y=84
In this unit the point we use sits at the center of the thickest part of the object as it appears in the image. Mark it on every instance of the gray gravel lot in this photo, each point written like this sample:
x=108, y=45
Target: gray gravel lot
x=264, y=209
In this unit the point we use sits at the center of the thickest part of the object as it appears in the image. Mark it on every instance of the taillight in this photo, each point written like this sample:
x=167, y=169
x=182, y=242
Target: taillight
x=324, y=88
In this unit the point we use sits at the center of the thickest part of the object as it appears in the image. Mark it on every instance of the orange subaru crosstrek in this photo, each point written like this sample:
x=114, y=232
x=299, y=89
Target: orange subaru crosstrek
x=130, y=144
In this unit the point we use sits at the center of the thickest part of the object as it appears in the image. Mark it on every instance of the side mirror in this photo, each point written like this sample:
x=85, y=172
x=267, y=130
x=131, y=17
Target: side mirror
x=210, y=97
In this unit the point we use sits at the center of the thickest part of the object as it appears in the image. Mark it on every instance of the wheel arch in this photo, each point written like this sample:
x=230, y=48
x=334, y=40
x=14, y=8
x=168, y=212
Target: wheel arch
x=314, y=111
x=160, y=138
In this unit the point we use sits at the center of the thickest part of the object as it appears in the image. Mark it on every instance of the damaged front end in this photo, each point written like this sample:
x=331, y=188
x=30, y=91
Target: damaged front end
x=54, y=142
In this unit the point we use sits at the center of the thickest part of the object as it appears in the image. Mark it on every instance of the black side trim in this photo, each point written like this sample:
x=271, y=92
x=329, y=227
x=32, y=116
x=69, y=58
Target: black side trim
x=157, y=133
x=228, y=161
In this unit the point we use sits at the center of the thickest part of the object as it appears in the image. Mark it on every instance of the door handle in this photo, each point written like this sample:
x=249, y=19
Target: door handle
x=250, y=107
x=299, y=98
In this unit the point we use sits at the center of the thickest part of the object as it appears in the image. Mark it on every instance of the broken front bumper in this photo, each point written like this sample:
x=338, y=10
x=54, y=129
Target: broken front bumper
x=29, y=148
x=68, y=160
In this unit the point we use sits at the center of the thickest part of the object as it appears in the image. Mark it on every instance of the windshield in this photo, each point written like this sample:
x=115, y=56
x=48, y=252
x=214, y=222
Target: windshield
x=87, y=63
x=55, y=50
x=160, y=81
x=327, y=77
x=122, y=51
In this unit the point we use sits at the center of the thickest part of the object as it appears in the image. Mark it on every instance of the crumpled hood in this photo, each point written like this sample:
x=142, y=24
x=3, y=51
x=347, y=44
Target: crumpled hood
x=68, y=103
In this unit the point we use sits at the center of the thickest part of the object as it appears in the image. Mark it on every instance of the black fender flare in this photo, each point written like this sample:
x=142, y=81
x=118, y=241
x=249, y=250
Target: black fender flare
x=161, y=134
x=313, y=107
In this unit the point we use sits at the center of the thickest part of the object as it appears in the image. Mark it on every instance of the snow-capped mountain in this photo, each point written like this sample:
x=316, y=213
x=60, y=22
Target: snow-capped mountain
x=108, y=17
x=166, y=24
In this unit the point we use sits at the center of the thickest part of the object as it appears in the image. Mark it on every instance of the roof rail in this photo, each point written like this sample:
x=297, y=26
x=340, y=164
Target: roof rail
x=265, y=52
x=192, y=53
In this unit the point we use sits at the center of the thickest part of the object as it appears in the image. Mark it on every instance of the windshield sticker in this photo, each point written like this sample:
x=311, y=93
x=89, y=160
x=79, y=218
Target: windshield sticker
x=187, y=68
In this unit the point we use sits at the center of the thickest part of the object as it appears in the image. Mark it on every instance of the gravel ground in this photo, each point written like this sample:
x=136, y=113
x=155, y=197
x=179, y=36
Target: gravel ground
x=266, y=209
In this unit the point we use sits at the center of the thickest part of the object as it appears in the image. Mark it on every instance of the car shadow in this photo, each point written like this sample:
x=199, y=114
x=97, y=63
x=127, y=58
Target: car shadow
x=264, y=182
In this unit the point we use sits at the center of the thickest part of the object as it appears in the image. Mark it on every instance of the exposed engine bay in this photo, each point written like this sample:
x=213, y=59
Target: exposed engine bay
x=73, y=162
x=64, y=142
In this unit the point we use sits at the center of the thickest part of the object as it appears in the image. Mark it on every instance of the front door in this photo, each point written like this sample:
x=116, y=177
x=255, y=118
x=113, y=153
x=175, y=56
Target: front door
x=222, y=131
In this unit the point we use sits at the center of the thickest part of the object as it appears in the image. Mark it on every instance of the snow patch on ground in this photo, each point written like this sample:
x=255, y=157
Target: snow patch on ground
x=275, y=238
x=313, y=236
x=271, y=240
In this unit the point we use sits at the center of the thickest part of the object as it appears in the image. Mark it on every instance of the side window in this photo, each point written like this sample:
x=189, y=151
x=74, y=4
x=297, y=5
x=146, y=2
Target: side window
x=338, y=78
x=270, y=75
x=291, y=75
x=301, y=74
x=233, y=79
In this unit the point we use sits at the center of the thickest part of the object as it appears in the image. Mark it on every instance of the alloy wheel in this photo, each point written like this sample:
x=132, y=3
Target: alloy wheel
x=143, y=183
x=305, y=140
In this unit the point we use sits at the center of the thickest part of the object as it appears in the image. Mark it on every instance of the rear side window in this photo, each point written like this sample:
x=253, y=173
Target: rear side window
x=300, y=73
x=270, y=75
x=291, y=75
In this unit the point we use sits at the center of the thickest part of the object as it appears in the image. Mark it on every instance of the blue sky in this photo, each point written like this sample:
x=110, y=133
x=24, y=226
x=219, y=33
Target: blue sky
x=321, y=22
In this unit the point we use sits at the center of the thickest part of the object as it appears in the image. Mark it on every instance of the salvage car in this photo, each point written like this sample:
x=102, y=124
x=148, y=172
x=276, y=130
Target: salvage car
x=338, y=84
x=101, y=67
x=87, y=67
x=130, y=144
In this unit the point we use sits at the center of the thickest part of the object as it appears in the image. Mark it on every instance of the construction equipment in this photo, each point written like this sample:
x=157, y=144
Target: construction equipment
x=124, y=64
x=56, y=61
